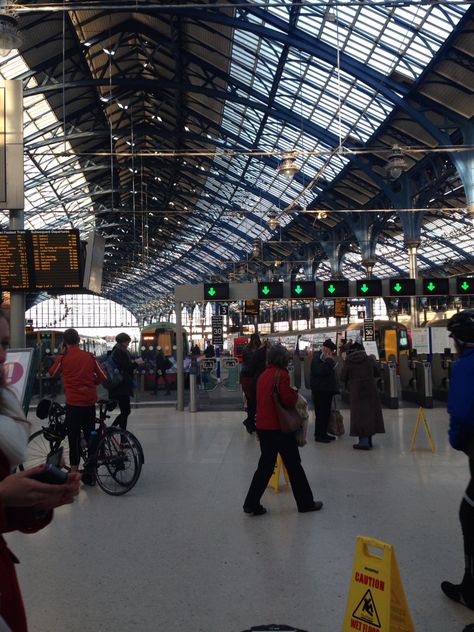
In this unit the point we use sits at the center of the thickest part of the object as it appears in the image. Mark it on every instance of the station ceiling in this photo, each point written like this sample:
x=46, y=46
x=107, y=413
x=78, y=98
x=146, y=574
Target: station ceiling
x=163, y=125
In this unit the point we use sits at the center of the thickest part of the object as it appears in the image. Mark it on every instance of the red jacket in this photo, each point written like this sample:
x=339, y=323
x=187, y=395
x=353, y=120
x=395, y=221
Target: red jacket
x=14, y=519
x=266, y=414
x=81, y=373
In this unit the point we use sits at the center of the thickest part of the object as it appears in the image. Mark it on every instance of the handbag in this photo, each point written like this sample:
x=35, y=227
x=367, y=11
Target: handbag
x=336, y=423
x=290, y=420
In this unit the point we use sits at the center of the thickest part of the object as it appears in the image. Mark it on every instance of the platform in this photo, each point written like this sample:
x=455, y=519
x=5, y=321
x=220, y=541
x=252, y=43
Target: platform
x=179, y=554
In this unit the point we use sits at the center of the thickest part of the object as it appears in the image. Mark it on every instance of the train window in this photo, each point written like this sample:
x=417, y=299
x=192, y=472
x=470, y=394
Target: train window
x=404, y=341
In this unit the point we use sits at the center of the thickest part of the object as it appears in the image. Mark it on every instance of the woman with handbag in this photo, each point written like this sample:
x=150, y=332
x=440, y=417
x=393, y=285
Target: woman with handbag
x=273, y=440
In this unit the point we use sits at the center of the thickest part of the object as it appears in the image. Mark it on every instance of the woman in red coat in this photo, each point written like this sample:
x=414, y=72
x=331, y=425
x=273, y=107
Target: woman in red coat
x=25, y=504
x=274, y=441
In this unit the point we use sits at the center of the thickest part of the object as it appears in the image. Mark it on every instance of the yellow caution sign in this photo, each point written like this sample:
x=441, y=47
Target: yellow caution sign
x=421, y=418
x=376, y=601
x=275, y=479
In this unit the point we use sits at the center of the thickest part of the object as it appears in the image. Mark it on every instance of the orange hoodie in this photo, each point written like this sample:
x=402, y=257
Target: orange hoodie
x=81, y=373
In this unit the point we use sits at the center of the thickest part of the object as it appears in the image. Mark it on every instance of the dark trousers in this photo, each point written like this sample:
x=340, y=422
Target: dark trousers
x=322, y=401
x=466, y=517
x=273, y=442
x=77, y=418
x=124, y=405
x=162, y=372
x=249, y=389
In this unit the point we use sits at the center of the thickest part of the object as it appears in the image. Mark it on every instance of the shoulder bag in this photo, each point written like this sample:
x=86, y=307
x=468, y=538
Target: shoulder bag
x=290, y=420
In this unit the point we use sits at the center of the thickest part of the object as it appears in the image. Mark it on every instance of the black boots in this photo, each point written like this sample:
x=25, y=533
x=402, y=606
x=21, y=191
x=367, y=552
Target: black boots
x=462, y=593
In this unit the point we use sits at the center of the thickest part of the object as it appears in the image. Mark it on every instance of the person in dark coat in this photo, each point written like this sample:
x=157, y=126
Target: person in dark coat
x=162, y=365
x=209, y=352
x=324, y=385
x=124, y=391
x=360, y=372
x=274, y=441
x=247, y=380
x=461, y=437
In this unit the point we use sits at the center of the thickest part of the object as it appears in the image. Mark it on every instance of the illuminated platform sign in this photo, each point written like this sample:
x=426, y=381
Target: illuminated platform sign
x=368, y=287
x=335, y=289
x=303, y=289
x=402, y=287
x=464, y=285
x=270, y=290
x=436, y=287
x=216, y=291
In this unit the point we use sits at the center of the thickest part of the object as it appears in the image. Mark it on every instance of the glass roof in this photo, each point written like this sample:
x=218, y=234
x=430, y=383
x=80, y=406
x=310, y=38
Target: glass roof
x=328, y=82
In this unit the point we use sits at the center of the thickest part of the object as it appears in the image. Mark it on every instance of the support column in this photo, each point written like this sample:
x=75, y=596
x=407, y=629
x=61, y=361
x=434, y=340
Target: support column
x=311, y=314
x=412, y=247
x=179, y=360
x=369, y=302
x=272, y=316
x=290, y=315
x=17, y=299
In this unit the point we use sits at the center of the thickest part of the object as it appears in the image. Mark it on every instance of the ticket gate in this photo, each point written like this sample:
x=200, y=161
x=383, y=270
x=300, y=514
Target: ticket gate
x=441, y=365
x=415, y=379
x=388, y=384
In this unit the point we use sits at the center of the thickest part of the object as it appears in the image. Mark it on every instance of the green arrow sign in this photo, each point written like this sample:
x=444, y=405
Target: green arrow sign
x=331, y=289
x=211, y=291
x=265, y=290
x=465, y=286
x=431, y=286
x=397, y=287
x=298, y=289
x=364, y=288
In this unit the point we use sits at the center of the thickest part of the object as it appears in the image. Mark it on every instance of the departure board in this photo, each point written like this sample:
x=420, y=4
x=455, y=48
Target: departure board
x=14, y=261
x=56, y=259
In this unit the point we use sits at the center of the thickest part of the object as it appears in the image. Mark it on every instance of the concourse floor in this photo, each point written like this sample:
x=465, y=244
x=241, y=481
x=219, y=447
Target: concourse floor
x=178, y=554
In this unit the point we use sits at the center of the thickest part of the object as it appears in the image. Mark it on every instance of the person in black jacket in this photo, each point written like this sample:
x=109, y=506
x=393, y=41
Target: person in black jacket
x=124, y=391
x=323, y=382
x=162, y=365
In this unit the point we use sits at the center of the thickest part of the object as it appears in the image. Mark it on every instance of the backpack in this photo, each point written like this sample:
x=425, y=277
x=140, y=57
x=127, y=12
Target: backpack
x=111, y=370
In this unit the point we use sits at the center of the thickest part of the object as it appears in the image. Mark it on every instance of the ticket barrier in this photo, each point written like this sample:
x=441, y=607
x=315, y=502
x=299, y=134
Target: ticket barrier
x=441, y=365
x=388, y=384
x=415, y=379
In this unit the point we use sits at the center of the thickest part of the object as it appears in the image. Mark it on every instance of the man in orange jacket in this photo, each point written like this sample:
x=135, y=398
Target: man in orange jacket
x=81, y=373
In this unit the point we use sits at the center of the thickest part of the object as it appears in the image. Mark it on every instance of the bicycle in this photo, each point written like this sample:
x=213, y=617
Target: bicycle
x=115, y=460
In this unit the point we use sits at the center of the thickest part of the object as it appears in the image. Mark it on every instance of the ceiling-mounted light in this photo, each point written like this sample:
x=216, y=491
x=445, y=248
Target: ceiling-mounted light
x=256, y=248
x=10, y=37
x=396, y=163
x=288, y=166
x=322, y=215
x=273, y=221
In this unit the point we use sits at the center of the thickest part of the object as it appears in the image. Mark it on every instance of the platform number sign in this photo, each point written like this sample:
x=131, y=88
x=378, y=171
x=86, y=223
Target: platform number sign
x=217, y=330
x=464, y=285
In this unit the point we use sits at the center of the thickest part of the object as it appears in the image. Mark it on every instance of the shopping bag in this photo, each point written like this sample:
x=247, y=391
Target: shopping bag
x=336, y=423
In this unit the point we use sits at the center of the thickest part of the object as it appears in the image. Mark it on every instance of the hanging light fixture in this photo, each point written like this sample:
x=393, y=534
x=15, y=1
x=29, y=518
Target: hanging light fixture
x=10, y=37
x=273, y=221
x=256, y=248
x=396, y=164
x=322, y=215
x=288, y=166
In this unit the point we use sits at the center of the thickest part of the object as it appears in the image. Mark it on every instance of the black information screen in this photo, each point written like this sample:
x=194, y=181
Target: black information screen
x=270, y=289
x=436, y=287
x=56, y=259
x=303, y=289
x=464, y=285
x=333, y=289
x=368, y=287
x=402, y=287
x=14, y=261
x=216, y=291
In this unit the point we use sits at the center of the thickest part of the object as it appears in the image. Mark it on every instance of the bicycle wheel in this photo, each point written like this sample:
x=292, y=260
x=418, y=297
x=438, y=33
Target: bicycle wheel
x=117, y=462
x=137, y=446
x=41, y=445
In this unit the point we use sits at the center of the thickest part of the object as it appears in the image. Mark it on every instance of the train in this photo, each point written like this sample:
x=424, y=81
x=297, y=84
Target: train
x=156, y=336
x=392, y=338
x=49, y=343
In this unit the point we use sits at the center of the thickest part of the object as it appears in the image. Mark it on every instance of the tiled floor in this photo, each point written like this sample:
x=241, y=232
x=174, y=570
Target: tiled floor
x=178, y=553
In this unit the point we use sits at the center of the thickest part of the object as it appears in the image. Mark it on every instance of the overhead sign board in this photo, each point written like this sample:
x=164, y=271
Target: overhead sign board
x=268, y=290
x=465, y=285
x=402, y=287
x=216, y=291
x=251, y=307
x=333, y=289
x=436, y=286
x=368, y=287
x=340, y=307
x=303, y=289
